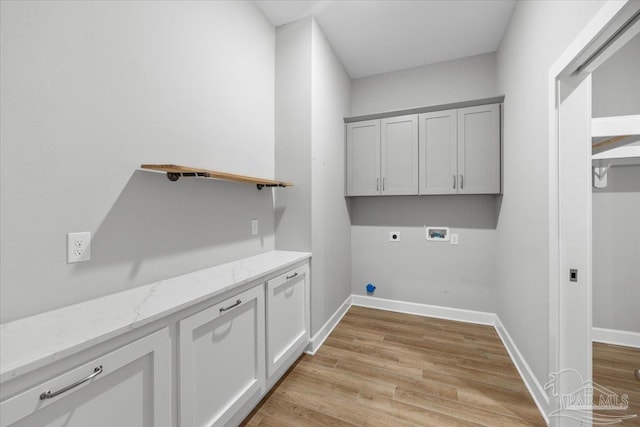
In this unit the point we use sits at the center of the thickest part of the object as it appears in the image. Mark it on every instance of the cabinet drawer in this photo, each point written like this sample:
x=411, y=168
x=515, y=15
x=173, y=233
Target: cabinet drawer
x=287, y=317
x=129, y=386
x=221, y=359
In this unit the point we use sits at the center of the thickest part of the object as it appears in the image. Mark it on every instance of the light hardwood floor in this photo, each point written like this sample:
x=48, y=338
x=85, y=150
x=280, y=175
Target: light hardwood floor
x=389, y=369
x=613, y=368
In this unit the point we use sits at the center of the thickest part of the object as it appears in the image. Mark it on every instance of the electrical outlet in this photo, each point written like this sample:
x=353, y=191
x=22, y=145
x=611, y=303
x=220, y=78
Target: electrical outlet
x=394, y=236
x=78, y=247
x=254, y=227
x=454, y=239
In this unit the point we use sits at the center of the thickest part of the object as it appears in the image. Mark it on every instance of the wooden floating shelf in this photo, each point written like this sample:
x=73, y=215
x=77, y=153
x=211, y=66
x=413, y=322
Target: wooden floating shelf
x=174, y=172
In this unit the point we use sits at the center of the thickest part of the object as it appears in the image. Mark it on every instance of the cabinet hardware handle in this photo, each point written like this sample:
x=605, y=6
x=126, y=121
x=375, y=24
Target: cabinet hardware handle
x=377, y=184
x=49, y=394
x=384, y=181
x=461, y=181
x=237, y=303
x=454, y=181
x=292, y=276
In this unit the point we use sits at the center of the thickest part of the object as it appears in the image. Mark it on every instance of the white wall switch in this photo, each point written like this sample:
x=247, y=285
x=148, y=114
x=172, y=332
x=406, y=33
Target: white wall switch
x=78, y=247
x=394, y=236
x=454, y=239
x=254, y=227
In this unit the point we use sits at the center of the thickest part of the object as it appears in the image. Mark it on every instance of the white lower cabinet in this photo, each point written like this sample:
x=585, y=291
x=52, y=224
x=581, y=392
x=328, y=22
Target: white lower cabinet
x=228, y=355
x=130, y=386
x=287, y=320
x=221, y=359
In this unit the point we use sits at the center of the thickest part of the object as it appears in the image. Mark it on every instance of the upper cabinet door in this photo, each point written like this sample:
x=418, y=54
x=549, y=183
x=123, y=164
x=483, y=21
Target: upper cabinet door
x=399, y=155
x=439, y=152
x=479, y=150
x=363, y=158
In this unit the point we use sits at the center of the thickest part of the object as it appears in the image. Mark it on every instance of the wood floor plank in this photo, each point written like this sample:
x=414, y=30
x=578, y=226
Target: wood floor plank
x=613, y=368
x=462, y=411
x=381, y=368
x=410, y=413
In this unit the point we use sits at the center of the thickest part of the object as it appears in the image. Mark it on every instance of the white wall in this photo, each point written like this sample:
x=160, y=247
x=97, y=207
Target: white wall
x=616, y=250
x=90, y=90
x=415, y=269
x=537, y=34
x=312, y=96
x=462, y=79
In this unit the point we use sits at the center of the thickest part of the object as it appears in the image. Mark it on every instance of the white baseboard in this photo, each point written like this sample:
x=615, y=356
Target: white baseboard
x=536, y=390
x=613, y=336
x=316, y=341
x=461, y=315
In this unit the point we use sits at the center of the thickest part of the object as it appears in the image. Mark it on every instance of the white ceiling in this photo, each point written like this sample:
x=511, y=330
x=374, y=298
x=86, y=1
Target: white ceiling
x=377, y=36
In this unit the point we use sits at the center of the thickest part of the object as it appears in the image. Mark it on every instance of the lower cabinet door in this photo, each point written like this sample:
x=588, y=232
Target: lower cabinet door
x=221, y=359
x=287, y=319
x=130, y=386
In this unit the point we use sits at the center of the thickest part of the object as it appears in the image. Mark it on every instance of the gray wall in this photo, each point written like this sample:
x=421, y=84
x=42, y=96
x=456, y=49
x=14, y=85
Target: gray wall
x=616, y=209
x=415, y=269
x=422, y=271
x=90, y=90
x=293, y=135
x=536, y=36
x=616, y=83
x=330, y=225
x=462, y=79
x=616, y=250
x=312, y=97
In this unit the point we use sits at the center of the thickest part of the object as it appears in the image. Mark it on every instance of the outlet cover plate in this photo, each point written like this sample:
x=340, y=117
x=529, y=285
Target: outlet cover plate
x=78, y=247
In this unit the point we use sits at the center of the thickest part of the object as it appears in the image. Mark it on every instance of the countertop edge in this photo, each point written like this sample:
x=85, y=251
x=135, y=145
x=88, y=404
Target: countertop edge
x=9, y=372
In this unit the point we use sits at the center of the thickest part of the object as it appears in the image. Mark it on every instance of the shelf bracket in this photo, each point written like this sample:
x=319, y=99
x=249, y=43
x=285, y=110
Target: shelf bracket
x=261, y=186
x=174, y=176
x=600, y=175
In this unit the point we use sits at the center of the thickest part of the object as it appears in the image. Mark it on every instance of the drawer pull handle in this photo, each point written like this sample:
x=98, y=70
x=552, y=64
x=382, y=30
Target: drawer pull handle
x=237, y=303
x=49, y=394
x=292, y=276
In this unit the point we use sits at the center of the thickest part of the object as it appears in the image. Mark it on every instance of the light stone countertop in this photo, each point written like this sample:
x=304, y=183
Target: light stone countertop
x=33, y=342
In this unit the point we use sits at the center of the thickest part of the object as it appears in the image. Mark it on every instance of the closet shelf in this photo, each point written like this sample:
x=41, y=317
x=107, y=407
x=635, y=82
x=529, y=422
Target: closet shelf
x=615, y=126
x=176, y=171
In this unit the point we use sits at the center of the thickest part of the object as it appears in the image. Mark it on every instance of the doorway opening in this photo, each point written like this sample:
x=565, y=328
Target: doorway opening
x=571, y=218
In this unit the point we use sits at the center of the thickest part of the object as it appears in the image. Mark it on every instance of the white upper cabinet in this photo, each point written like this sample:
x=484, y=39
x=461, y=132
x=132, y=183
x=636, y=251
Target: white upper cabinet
x=454, y=151
x=399, y=155
x=479, y=150
x=363, y=158
x=460, y=151
x=439, y=152
x=382, y=157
